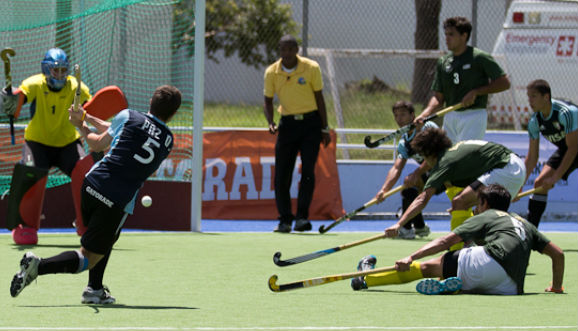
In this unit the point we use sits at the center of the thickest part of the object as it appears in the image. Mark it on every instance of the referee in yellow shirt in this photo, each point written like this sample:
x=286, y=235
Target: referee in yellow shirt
x=298, y=84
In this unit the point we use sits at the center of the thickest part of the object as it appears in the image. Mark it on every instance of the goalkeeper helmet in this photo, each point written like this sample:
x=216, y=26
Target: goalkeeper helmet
x=55, y=68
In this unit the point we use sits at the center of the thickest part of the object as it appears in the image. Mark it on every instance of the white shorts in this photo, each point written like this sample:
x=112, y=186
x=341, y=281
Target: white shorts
x=469, y=124
x=511, y=176
x=481, y=274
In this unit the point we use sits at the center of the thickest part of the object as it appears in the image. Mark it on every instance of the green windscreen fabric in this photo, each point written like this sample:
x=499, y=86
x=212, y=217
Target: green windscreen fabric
x=127, y=43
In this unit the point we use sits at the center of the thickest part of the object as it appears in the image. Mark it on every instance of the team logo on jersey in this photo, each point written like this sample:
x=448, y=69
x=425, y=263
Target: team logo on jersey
x=557, y=125
x=542, y=128
x=448, y=65
x=467, y=66
x=301, y=81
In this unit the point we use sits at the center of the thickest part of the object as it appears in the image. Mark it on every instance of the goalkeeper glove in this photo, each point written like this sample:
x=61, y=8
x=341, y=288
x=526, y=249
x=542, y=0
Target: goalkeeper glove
x=9, y=102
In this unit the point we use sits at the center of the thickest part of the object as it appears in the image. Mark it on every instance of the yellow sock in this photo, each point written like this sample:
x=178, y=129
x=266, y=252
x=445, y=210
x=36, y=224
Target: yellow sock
x=395, y=277
x=453, y=191
x=459, y=217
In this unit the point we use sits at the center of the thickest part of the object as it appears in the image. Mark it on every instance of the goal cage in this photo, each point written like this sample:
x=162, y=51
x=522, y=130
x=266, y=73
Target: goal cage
x=133, y=44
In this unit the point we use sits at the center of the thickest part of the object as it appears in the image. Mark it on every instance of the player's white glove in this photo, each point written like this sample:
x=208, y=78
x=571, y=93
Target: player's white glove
x=9, y=102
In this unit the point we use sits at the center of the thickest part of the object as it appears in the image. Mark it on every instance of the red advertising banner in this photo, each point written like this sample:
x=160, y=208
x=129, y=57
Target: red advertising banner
x=238, y=176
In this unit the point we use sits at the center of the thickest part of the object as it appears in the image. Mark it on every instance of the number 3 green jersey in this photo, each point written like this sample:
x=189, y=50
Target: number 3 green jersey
x=457, y=75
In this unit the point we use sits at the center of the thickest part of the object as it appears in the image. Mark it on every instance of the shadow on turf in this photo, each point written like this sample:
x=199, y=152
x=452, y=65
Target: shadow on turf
x=116, y=306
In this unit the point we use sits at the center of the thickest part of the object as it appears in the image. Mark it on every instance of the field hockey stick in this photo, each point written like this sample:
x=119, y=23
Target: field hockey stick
x=303, y=258
x=4, y=54
x=323, y=229
x=321, y=280
x=77, y=93
x=406, y=128
x=528, y=192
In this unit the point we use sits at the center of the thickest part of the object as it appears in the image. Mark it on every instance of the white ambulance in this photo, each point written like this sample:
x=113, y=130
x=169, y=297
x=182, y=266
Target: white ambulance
x=539, y=40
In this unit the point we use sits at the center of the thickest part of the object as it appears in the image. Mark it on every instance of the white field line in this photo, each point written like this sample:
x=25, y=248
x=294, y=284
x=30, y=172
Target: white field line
x=314, y=328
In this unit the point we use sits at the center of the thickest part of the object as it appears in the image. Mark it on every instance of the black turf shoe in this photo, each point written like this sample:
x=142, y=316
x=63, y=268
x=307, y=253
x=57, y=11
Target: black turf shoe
x=302, y=225
x=283, y=227
x=28, y=273
x=367, y=263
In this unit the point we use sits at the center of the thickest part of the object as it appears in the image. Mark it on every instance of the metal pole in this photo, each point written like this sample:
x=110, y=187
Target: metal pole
x=198, y=106
x=474, y=36
x=305, y=32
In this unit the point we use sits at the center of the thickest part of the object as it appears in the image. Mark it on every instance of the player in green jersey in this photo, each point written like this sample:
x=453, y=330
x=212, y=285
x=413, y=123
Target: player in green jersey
x=497, y=266
x=470, y=164
x=467, y=75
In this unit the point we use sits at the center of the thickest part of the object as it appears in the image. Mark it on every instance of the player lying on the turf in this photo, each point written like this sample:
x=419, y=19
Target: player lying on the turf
x=497, y=266
x=140, y=142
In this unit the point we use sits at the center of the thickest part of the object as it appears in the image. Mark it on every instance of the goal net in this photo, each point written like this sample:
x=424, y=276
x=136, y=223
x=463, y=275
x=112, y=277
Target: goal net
x=128, y=43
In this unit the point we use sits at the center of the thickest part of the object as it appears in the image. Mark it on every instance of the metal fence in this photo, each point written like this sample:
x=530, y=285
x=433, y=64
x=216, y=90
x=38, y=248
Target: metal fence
x=360, y=87
x=350, y=24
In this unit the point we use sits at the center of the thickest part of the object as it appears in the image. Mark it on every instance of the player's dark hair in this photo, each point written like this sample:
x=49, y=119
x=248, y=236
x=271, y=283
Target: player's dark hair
x=165, y=102
x=403, y=105
x=496, y=196
x=541, y=86
x=461, y=24
x=288, y=39
x=431, y=142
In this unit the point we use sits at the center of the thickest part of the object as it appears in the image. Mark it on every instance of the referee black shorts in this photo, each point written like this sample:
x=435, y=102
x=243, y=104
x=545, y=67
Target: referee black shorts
x=103, y=221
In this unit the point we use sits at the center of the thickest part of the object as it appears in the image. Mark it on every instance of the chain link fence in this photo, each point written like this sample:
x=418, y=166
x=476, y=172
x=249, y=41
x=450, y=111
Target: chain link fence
x=379, y=25
x=372, y=61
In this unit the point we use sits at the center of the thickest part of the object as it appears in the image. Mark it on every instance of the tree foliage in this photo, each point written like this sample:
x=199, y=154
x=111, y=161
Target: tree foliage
x=250, y=29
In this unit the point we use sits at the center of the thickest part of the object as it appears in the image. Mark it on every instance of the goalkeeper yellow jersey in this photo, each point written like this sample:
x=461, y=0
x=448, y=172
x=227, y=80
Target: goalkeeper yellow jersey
x=49, y=124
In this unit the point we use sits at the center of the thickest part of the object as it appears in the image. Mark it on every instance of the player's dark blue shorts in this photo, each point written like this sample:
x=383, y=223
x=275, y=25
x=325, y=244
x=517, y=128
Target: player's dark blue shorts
x=103, y=220
x=556, y=159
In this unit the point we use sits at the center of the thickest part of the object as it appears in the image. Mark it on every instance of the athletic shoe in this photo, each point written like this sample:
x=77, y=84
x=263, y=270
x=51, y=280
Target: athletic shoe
x=432, y=286
x=302, y=225
x=23, y=235
x=97, y=297
x=283, y=227
x=404, y=233
x=28, y=272
x=423, y=232
x=367, y=263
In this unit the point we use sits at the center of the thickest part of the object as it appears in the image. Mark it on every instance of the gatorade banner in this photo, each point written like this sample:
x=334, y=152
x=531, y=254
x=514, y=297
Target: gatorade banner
x=238, y=176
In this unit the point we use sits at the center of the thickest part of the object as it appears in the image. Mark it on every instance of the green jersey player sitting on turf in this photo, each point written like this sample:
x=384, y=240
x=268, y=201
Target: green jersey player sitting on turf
x=470, y=164
x=497, y=266
x=404, y=114
x=139, y=143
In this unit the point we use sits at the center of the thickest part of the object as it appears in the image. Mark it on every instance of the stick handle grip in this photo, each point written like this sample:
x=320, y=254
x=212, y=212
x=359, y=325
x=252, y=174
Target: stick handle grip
x=528, y=192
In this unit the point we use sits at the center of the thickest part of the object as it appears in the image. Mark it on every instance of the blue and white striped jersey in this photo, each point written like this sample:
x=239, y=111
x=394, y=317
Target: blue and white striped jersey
x=563, y=119
x=404, y=150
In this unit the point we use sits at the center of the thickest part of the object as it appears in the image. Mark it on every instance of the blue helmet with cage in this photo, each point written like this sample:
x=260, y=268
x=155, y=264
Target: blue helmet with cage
x=55, y=68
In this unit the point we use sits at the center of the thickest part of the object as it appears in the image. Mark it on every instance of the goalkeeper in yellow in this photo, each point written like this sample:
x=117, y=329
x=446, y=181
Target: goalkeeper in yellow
x=497, y=266
x=50, y=140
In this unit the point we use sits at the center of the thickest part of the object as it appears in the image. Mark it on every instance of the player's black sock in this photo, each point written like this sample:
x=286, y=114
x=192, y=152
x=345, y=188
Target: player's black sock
x=96, y=274
x=407, y=197
x=63, y=263
x=536, y=207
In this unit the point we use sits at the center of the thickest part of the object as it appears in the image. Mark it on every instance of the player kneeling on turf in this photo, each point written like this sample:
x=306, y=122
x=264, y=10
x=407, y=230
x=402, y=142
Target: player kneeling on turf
x=497, y=266
x=141, y=143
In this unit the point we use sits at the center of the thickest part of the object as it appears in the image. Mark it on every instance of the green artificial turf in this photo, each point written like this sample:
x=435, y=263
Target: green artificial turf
x=218, y=281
